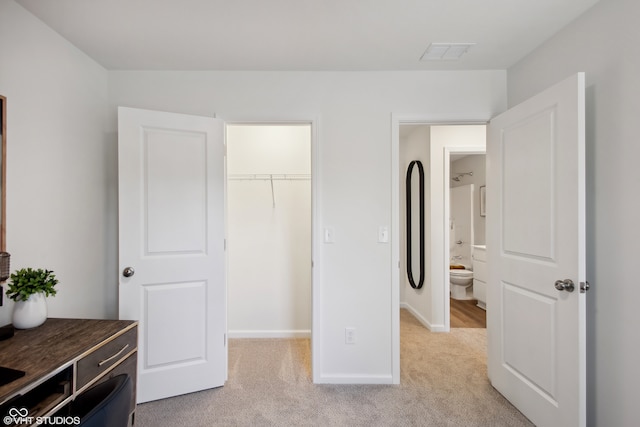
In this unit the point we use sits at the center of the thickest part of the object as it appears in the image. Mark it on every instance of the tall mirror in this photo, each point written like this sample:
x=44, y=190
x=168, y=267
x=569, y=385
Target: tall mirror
x=3, y=171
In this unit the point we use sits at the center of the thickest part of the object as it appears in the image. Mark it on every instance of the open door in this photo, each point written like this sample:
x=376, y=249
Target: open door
x=536, y=255
x=171, y=243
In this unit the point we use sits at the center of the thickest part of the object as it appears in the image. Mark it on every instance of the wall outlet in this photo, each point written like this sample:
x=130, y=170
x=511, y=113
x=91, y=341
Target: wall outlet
x=349, y=335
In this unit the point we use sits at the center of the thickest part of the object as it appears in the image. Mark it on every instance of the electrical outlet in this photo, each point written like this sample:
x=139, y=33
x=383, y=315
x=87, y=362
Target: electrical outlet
x=349, y=335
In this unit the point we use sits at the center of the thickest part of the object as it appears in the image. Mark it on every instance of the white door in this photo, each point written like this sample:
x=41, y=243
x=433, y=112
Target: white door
x=536, y=237
x=171, y=220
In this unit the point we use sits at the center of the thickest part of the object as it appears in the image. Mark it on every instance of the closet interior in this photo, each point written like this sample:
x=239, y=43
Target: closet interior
x=269, y=230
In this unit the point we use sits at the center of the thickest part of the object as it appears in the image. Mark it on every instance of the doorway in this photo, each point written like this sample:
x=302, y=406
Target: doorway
x=433, y=143
x=527, y=146
x=269, y=223
x=467, y=240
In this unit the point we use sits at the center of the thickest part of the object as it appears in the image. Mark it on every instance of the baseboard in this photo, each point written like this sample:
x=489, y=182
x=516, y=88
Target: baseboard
x=421, y=319
x=438, y=328
x=354, y=379
x=302, y=333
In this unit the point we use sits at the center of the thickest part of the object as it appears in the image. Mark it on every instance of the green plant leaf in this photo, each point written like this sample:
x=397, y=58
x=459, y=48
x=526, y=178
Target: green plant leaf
x=27, y=281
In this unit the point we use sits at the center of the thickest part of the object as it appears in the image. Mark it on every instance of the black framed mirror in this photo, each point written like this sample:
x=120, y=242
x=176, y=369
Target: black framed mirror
x=3, y=172
x=409, y=220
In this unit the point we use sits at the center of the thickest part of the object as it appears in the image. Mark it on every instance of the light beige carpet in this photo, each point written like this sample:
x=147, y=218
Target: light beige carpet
x=443, y=383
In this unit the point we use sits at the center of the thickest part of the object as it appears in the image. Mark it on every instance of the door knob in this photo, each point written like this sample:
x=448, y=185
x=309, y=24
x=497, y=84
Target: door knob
x=128, y=272
x=565, y=285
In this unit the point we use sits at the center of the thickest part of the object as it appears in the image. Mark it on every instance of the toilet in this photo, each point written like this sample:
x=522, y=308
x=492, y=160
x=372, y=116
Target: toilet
x=460, y=283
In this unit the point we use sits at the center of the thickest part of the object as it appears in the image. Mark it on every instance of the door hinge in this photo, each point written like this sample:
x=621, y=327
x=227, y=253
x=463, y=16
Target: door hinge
x=225, y=340
x=584, y=287
x=224, y=244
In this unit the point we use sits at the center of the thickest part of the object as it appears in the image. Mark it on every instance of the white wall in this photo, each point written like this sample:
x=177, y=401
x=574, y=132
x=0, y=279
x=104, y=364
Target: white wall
x=475, y=163
x=61, y=175
x=62, y=171
x=605, y=43
x=415, y=147
x=269, y=235
x=354, y=111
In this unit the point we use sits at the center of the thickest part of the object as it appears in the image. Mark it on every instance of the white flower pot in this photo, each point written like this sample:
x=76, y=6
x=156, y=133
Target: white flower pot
x=30, y=313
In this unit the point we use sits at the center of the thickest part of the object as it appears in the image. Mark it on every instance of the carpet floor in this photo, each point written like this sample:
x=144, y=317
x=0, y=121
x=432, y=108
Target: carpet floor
x=443, y=383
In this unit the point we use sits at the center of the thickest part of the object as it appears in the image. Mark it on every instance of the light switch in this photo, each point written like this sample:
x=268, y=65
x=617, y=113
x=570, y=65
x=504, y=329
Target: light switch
x=383, y=234
x=329, y=235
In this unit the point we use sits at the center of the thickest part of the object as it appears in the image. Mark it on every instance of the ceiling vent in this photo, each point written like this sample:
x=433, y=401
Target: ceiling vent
x=445, y=51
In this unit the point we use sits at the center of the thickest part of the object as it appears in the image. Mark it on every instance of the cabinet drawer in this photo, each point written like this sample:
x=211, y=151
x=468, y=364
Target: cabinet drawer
x=128, y=366
x=480, y=290
x=480, y=270
x=101, y=359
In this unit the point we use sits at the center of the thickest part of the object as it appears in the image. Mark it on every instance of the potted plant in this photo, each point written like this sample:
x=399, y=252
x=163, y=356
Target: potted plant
x=29, y=288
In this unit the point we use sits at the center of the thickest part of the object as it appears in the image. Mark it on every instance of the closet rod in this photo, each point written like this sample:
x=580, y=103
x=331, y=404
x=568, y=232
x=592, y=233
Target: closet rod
x=269, y=177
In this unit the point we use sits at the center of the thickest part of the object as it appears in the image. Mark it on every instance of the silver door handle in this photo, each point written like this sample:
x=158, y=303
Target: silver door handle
x=565, y=285
x=128, y=272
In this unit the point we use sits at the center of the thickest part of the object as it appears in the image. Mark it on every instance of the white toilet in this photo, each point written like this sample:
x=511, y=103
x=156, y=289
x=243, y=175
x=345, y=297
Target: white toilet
x=461, y=282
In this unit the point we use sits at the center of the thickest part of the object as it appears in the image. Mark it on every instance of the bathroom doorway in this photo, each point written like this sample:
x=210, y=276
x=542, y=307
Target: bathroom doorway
x=467, y=181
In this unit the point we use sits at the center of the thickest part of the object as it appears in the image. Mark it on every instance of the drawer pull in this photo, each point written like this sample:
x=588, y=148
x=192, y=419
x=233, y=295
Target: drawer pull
x=102, y=362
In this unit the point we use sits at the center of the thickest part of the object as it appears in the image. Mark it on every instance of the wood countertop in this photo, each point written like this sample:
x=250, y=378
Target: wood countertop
x=54, y=345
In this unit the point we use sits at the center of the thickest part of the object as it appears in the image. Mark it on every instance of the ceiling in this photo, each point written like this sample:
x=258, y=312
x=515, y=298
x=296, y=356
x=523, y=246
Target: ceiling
x=303, y=34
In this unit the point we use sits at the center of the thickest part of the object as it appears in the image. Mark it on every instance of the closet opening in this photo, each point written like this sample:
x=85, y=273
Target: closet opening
x=269, y=230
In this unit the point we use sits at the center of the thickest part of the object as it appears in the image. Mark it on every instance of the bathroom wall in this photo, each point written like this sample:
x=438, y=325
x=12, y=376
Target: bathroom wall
x=475, y=163
x=461, y=225
x=269, y=233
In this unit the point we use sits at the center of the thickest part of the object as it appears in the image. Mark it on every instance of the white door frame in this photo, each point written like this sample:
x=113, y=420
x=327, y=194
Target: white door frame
x=316, y=262
x=438, y=247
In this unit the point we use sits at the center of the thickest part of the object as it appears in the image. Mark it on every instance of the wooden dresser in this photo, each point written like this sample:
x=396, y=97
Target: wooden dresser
x=61, y=359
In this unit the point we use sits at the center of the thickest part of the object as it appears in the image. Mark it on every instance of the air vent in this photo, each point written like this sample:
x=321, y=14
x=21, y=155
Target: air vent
x=445, y=51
